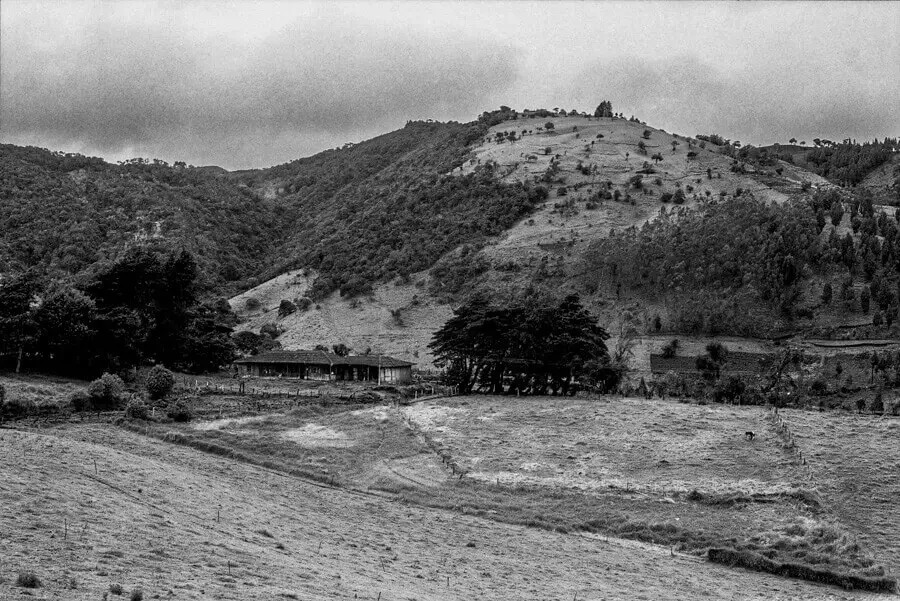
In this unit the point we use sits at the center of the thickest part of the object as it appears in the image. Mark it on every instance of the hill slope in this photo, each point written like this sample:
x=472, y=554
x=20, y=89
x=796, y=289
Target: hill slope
x=178, y=522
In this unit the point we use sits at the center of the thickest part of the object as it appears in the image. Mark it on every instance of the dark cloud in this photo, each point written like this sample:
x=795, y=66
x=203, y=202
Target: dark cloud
x=154, y=88
x=757, y=105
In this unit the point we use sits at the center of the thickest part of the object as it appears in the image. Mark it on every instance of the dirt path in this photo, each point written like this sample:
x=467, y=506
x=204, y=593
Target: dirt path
x=182, y=524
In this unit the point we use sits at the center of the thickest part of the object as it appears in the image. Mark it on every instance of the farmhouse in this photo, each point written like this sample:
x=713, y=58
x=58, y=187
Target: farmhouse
x=320, y=365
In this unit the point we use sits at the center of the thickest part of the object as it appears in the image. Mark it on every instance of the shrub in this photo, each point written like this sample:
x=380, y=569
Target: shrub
x=116, y=589
x=303, y=304
x=137, y=409
x=818, y=388
x=271, y=330
x=729, y=390
x=105, y=392
x=160, y=382
x=137, y=595
x=646, y=134
x=28, y=580
x=179, y=412
x=80, y=400
x=549, y=125
x=252, y=303
x=671, y=349
x=286, y=307
x=665, y=197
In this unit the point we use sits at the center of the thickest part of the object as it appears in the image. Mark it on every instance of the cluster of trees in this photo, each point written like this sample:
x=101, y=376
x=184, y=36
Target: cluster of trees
x=741, y=243
x=848, y=163
x=144, y=307
x=404, y=225
x=531, y=346
x=604, y=109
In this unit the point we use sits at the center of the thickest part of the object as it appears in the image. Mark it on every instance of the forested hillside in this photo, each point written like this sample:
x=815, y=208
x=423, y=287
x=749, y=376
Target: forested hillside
x=370, y=212
x=64, y=213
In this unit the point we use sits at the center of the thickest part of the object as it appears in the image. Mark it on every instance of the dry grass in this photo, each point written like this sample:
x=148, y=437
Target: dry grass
x=178, y=523
x=666, y=473
x=855, y=460
x=40, y=390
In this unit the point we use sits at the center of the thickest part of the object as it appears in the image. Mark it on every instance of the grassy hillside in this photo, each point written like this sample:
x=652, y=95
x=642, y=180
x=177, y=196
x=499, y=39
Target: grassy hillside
x=180, y=523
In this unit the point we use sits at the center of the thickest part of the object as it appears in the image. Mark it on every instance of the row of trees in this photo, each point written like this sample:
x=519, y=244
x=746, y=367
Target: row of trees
x=529, y=346
x=141, y=308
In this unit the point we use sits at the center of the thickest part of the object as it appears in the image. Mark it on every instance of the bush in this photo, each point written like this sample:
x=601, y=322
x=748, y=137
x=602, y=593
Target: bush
x=160, y=382
x=137, y=595
x=179, y=412
x=116, y=589
x=252, y=304
x=286, y=307
x=729, y=390
x=670, y=349
x=271, y=330
x=80, y=401
x=105, y=392
x=28, y=580
x=303, y=304
x=137, y=409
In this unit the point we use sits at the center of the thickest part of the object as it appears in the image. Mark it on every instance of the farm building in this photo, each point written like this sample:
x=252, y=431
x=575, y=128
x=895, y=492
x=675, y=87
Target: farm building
x=320, y=365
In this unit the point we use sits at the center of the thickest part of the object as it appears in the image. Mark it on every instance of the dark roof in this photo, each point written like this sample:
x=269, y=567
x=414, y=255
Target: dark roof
x=323, y=358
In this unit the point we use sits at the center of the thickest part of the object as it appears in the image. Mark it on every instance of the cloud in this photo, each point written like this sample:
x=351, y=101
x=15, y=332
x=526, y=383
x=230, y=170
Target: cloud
x=758, y=104
x=155, y=87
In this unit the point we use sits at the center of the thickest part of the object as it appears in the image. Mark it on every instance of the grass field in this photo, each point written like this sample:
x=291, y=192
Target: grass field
x=679, y=475
x=89, y=507
x=855, y=461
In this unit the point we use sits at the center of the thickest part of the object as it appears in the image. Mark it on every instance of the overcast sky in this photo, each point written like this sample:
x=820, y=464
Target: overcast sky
x=253, y=84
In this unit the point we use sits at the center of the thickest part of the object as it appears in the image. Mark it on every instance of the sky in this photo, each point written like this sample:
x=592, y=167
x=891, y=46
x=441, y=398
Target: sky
x=245, y=84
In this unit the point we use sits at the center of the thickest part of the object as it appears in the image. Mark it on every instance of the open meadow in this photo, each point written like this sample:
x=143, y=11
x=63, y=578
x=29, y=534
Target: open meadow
x=282, y=496
x=855, y=462
x=88, y=509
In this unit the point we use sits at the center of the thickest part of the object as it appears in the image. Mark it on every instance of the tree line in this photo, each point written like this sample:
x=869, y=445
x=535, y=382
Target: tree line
x=144, y=307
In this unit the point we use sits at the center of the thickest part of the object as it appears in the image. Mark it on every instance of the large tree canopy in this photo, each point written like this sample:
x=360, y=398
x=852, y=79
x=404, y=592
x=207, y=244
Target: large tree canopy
x=530, y=346
x=139, y=308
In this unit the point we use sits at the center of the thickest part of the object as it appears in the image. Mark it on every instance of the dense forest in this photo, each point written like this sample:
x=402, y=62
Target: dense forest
x=64, y=214
x=729, y=266
x=143, y=308
x=846, y=163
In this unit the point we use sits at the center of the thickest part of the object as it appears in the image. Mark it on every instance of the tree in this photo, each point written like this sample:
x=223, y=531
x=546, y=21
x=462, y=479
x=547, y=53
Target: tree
x=678, y=198
x=827, y=293
x=18, y=294
x=160, y=382
x=604, y=109
x=792, y=141
x=341, y=349
x=646, y=134
x=529, y=346
x=865, y=298
x=656, y=158
x=549, y=125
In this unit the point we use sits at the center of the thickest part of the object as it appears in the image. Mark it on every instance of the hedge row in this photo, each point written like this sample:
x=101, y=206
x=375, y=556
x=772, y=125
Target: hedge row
x=755, y=561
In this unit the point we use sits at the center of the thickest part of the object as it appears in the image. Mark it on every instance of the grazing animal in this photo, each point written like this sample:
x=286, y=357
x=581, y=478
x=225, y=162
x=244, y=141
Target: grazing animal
x=749, y=435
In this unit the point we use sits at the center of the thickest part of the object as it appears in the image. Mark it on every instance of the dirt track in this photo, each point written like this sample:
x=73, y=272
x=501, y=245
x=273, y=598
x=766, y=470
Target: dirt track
x=148, y=519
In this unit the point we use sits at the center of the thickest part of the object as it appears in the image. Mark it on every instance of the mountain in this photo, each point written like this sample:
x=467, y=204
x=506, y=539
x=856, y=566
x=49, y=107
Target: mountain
x=375, y=242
